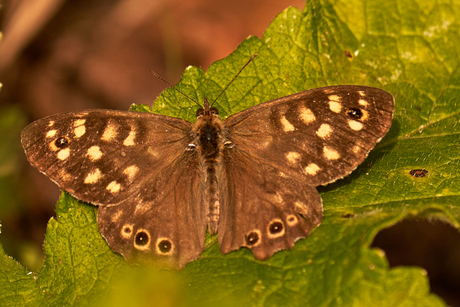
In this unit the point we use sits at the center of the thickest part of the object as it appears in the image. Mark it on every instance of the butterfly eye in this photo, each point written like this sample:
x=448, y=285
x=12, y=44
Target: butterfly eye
x=355, y=113
x=61, y=142
x=199, y=112
x=214, y=111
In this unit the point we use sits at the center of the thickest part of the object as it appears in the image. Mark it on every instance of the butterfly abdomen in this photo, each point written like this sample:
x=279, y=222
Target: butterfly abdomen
x=209, y=145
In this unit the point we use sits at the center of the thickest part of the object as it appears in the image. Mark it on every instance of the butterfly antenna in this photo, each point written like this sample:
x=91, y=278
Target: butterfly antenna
x=174, y=87
x=244, y=66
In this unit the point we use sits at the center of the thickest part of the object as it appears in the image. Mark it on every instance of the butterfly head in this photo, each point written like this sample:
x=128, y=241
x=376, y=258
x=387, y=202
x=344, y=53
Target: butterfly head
x=207, y=111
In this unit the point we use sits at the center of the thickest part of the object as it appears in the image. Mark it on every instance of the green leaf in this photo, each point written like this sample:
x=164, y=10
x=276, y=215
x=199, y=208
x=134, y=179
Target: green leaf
x=407, y=47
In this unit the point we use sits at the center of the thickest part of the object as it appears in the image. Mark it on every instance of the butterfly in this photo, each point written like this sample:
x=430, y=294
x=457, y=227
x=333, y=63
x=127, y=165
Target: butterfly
x=162, y=182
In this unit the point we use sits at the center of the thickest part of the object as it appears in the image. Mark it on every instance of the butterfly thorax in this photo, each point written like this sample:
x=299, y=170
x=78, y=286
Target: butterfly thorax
x=209, y=130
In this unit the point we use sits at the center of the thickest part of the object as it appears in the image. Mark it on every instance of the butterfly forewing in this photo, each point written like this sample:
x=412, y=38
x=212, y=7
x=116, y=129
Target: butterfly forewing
x=103, y=156
x=320, y=135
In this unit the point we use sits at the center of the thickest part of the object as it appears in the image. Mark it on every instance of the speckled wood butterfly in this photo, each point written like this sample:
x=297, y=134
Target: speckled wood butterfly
x=160, y=182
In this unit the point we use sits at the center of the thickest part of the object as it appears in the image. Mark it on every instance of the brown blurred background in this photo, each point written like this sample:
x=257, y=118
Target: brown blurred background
x=58, y=56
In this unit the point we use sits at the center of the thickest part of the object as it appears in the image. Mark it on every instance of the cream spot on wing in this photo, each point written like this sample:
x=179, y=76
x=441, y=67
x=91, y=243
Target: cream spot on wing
x=141, y=208
x=306, y=115
x=301, y=207
x=262, y=142
x=110, y=132
x=324, y=131
x=362, y=93
x=287, y=126
x=335, y=106
x=51, y=123
x=131, y=171
x=292, y=220
x=276, y=198
x=53, y=146
x=365, y=115
x=293, y=157
x=113, y=187
x=152, y=152
x=127, y=231
x=64, y=175
x=51, y=133
x=356, y=149
x=129, y=141
x=330, y=153
x=312, y=169
x=363, y=102
x=355, y=125
x=79, y=122
x=94, y=153
x=79, y=131
x=117, y=216
x=334, y=98
x=63, y=154
x=93, y=177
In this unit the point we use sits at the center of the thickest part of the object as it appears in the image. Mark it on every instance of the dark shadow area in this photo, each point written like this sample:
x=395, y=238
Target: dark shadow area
x=434, y=246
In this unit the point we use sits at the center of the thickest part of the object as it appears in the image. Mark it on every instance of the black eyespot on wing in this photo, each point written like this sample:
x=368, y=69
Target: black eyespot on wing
x=275, y=227
x=61, y=142
x=142, y=238
x=355, y=113
x=252, y=238
x=164, y=246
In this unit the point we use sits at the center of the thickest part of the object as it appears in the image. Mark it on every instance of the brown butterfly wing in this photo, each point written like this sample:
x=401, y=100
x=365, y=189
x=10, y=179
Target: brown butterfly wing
x=164, y=221
x=280, y=150
x=263, y=209
x=135, y=166
x=319, y=135
x=103, y=156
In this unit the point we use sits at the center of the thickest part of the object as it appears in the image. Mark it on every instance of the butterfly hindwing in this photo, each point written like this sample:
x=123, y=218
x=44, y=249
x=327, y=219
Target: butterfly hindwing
x=263, y=209
x=164, y=222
